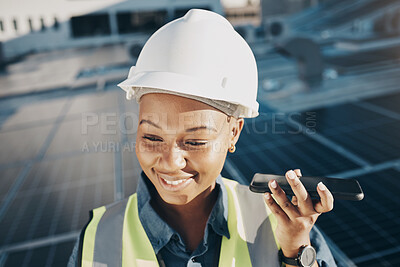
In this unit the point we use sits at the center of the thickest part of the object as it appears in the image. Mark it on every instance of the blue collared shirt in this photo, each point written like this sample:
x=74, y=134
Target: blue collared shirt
x=168, y=244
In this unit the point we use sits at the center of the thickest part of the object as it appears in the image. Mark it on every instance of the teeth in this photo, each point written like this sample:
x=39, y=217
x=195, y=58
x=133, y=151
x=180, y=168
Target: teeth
x=174, y=182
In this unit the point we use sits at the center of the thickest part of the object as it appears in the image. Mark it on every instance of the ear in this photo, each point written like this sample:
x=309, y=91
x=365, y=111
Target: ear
x=236, y=128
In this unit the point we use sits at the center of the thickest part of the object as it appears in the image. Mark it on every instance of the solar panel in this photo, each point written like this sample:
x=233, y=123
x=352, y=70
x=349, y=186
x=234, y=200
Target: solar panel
x=61, y=188
x=53, y=255
x=280, y=148
x=366, y=230
x=368, y=134
x=390, y=102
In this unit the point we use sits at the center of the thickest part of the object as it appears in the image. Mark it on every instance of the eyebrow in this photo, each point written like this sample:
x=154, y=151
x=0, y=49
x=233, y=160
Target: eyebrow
x=187, y=130
x=149, y=122
x=201, y=128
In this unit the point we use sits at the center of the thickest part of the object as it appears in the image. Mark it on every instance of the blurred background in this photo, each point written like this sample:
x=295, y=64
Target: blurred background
x=329, y=94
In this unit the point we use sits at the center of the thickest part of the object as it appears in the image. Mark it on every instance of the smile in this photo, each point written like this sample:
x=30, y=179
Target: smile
x=171, y=183
x=174, y=182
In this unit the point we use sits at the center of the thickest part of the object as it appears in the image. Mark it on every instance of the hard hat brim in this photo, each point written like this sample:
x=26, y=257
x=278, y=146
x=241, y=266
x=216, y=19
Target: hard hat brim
x=184, y=84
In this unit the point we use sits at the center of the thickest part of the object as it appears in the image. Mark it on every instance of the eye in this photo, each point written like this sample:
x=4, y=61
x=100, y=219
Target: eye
x=194, y=143
x=152, y=138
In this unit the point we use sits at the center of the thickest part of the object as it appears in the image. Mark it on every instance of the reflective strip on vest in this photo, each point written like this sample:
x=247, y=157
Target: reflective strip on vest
x=115, y=235
x=137, y=249
x=89, y=240
x=258, y=224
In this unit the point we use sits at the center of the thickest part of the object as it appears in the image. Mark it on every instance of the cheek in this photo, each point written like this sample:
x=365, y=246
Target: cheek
x=145, y=155
x=212, y=161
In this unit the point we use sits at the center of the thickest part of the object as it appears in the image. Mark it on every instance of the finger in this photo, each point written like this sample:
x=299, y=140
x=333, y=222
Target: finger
x=275, y=208
x=303, y=198
x=298, y=172
x=294, y=200
x=283, y=200
x=326, y=202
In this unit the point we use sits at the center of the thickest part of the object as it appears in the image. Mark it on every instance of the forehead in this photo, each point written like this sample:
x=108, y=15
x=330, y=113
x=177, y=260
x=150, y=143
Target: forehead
x=176, y=111
x=162, y=101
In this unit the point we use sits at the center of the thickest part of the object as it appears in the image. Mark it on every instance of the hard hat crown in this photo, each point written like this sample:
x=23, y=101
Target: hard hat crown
x=201, y=55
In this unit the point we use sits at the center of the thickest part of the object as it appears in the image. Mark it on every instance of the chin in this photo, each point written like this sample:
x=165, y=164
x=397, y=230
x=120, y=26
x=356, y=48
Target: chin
x=176, y=200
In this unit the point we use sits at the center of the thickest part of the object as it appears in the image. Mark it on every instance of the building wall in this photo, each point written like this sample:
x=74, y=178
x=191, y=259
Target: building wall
x=24, y=40
x=283, y=7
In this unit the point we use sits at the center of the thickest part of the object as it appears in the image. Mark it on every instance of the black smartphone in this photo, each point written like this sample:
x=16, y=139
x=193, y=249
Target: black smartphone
x=346, y=189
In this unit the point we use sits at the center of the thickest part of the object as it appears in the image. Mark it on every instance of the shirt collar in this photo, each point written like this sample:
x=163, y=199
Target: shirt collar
x=159, y=232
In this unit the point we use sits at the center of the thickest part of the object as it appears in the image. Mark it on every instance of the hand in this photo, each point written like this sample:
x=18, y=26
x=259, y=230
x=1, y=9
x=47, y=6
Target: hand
x=297, y=217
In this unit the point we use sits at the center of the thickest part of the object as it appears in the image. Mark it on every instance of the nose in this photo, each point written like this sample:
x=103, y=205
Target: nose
x=173, y=159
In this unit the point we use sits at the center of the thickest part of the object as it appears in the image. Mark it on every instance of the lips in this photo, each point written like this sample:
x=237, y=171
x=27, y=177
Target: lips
x=175, y=183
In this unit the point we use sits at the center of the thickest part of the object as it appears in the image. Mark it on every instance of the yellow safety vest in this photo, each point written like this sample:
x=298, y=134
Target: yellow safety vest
x=115, y=235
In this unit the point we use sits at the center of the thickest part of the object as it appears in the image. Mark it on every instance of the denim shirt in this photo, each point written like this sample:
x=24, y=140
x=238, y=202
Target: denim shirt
x=169, y=245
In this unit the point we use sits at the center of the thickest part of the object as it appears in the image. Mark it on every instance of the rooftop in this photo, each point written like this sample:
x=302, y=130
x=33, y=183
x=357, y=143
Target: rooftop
x=67, y=135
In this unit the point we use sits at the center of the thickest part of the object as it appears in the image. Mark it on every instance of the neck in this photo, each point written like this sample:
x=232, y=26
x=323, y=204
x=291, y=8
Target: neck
x=190, y=219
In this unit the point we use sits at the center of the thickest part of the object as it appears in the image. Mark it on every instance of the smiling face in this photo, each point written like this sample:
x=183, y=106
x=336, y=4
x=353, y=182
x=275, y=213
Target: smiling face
x=182, y=144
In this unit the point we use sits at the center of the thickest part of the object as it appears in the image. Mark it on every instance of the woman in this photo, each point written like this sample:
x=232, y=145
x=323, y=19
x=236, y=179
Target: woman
x=195, y=80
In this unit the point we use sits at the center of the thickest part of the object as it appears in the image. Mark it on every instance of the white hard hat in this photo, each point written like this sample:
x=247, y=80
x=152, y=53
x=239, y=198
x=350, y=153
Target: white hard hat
x=198, y=56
